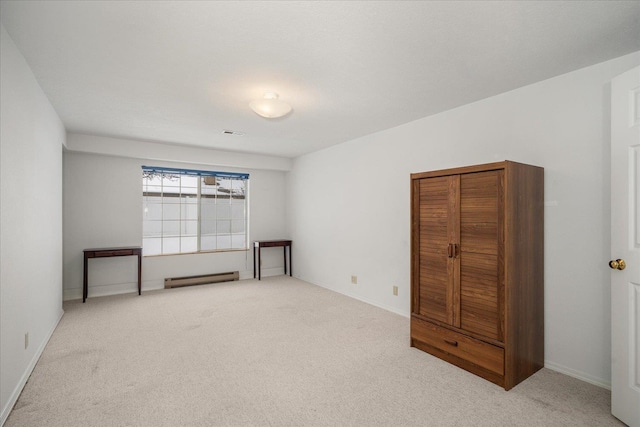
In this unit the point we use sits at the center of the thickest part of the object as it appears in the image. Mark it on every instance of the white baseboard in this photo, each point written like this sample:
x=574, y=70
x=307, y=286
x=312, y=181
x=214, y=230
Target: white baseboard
x=265, y=272
x=105, y=290
x=71, y=294
x=27, y=373
x=547, y=364
x=365, y=300
x=377, y=304
x=577, y=374
x=147, y=285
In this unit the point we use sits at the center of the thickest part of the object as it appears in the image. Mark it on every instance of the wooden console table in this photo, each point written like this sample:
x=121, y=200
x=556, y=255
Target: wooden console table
x=270, y=244
x=111, y=252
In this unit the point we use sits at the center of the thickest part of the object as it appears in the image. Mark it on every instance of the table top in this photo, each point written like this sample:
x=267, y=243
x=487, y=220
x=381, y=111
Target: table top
x=118, y=248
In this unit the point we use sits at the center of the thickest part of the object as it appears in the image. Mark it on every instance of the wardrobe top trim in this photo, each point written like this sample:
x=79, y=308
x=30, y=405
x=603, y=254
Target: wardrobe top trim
x=466, y=169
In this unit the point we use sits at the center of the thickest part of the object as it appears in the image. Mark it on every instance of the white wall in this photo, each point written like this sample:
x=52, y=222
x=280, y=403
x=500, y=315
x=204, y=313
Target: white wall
x=349, y=204
x=163, y=152
x=103, y=207
x=31, y=141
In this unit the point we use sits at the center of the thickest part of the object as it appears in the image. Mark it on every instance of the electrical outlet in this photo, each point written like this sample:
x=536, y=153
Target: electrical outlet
x=26, y=340
x=354, y=280
x=395, y=290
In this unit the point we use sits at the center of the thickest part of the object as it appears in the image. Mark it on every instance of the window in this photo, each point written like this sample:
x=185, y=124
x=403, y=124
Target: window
x=187, y=211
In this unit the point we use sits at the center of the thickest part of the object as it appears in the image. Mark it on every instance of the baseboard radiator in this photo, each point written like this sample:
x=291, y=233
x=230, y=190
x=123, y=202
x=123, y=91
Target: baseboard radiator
x=175, y=282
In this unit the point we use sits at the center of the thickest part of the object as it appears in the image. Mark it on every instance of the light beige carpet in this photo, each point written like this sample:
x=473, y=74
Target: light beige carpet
x=279, y=352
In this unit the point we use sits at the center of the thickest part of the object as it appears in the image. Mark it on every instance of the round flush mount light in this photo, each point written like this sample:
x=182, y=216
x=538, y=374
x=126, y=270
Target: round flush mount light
x=270, y=106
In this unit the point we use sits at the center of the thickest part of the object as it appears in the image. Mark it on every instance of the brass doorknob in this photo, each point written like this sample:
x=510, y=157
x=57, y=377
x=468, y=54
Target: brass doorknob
x=617, y=264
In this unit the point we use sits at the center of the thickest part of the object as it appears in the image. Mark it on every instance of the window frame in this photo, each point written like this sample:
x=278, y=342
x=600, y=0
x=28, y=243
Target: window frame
x=164, y=173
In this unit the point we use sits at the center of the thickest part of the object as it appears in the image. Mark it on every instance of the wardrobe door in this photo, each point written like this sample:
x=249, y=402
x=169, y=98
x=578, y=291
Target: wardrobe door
x=436, y=204
x=482, y=253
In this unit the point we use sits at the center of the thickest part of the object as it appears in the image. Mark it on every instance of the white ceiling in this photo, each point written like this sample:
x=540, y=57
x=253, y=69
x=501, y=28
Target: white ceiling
x=182, y=72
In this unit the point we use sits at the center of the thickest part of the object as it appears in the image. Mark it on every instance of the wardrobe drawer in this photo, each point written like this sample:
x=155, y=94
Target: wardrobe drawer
x=472, y=350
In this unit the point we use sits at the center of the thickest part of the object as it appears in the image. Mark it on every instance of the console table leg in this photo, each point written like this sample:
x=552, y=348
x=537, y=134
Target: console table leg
x=139, y=274
x=284, y=256
x=84, y=280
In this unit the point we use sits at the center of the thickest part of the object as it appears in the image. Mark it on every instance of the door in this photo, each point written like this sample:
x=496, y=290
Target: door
x=625, y=246
x=460, y=251
x=482, y=253
x=436, y=206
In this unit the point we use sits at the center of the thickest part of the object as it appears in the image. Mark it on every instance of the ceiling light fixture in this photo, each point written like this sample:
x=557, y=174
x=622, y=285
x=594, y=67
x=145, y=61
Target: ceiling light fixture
x=270, y=106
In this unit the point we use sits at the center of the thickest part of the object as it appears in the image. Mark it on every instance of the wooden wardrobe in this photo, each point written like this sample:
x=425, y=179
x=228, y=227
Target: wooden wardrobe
x=477, y=268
